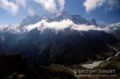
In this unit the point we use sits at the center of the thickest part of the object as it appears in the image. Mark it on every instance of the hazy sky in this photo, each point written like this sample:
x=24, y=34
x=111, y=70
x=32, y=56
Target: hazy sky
x=13, y=11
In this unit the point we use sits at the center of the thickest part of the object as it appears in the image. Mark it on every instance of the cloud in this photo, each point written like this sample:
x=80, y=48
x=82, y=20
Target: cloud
x=108, y=4
x=92, y=4
x=21, y=3
x=9, y=6
x=52, y=6
x=84, y=27
x=48, y=5
x=31, y=12
x=61, y=3
x=12, y=7
x=113, y=4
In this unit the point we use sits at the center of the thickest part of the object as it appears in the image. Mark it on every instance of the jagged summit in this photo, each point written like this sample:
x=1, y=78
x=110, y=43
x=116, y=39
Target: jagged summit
x=30, y=20
x=78, y=19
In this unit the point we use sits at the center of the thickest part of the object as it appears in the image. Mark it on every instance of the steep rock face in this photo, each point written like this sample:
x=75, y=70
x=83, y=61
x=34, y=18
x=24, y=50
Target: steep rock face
x=92, y=21
x=79, y=19
x=68, y=46
x=84, y=46
x=1, y=42
x=115, y=30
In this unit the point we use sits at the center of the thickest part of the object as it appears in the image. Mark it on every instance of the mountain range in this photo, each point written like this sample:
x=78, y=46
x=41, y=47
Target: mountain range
x=62, y=39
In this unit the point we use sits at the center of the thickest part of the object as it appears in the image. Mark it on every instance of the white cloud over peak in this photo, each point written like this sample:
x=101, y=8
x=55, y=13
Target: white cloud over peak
x=92, y=4
x=48, y=5
x=107, y=4
x=52, y=6
x=12, y=6
x=21, y=2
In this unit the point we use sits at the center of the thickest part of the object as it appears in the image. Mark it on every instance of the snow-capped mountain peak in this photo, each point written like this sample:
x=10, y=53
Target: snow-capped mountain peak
x=10, y=28
x=43, y=24
x=113, y=27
